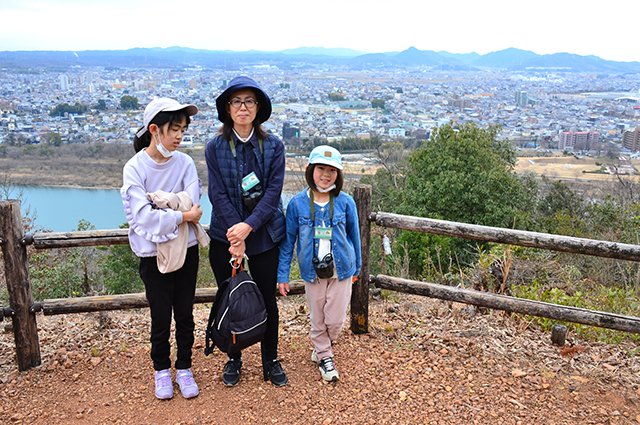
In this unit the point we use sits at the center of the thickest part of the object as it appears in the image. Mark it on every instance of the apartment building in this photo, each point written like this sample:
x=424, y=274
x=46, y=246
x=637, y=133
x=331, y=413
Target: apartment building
x=631, y=139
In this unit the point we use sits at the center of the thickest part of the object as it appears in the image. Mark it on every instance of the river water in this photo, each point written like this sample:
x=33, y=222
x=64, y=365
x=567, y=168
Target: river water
x=59, y=209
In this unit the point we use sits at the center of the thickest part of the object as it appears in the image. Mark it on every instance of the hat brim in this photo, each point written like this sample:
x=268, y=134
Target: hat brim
x=264, y=112
x=326, y=162
x=191, y=109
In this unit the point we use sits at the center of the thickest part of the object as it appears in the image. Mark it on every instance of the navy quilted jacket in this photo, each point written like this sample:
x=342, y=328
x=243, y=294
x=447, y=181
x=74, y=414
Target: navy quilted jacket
x=225, y=193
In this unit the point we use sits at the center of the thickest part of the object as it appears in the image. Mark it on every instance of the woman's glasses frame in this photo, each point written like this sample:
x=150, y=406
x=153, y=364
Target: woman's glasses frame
x=248, y=103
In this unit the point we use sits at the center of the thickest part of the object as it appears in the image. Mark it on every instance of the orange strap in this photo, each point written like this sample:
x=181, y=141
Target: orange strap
x=238, y=264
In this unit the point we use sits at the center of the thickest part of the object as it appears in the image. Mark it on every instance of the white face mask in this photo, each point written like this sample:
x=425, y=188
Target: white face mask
x=163, y=151
x=329, y=189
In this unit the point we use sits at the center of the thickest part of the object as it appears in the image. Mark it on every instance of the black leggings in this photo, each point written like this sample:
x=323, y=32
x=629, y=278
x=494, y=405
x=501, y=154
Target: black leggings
x=263, y=268
x=167, y=293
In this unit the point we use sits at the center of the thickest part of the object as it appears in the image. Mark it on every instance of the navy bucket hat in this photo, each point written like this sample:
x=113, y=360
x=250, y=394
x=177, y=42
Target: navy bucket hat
x=239, y=83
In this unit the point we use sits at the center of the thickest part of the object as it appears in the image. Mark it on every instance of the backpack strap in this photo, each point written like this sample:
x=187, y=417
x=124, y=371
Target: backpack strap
x=209, y=343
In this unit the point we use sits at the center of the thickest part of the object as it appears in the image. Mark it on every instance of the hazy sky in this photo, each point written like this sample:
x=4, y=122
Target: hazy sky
x=606, y=29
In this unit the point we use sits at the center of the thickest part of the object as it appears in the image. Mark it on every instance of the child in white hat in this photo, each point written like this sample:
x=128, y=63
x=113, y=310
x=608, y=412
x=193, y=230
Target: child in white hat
x=158, y=166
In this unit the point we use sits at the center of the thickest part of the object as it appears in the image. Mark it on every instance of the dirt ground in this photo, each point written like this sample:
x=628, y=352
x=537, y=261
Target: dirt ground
x=424, y=361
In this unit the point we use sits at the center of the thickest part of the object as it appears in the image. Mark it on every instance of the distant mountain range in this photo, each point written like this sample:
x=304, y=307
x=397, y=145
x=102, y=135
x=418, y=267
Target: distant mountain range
x=180, y=57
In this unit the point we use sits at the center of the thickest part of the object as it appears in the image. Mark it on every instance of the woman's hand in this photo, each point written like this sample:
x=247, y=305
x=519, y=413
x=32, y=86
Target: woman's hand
x=284, y=288
x=193, y=215
x=237, y=251
x=238, y=233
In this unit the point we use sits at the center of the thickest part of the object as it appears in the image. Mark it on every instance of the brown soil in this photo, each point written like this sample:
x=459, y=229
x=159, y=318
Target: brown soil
x=423, y=361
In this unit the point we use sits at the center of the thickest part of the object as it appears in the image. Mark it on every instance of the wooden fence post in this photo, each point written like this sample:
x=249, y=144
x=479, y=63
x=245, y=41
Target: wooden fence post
x=360, y=293
x=16, y=265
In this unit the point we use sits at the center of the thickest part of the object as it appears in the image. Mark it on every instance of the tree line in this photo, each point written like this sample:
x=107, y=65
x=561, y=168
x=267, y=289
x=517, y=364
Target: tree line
x=126, y=102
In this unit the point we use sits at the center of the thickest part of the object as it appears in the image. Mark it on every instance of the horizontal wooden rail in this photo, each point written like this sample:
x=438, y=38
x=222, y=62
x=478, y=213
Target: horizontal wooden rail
x=128, y=301
x=512, y=304
x=593, y=247
x=75, y=239
x=47, y=240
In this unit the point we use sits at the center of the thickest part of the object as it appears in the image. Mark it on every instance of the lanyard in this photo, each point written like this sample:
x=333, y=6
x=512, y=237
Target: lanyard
x=313, y=209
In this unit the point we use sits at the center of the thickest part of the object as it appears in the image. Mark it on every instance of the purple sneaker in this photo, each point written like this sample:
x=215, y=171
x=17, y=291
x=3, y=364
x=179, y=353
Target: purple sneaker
x=188, y=386
x=164, y=386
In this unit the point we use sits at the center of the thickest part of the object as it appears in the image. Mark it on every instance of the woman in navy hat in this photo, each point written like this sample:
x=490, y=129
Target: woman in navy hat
x=246, y=173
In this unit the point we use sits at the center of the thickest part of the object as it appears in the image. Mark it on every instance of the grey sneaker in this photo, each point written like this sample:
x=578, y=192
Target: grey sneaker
x=188, y=386
x=328, y=369
x=164, y=386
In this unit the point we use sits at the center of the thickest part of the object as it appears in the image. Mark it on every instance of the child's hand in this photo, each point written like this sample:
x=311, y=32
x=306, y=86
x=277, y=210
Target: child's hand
x=284, y=288
x=193, y=215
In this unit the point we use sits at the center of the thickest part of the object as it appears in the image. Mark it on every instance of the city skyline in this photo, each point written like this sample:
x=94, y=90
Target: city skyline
x=373, y=26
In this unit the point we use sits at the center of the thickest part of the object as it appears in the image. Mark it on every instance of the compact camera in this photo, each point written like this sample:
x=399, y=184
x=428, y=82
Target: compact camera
x=251, y=199
x=324, y=267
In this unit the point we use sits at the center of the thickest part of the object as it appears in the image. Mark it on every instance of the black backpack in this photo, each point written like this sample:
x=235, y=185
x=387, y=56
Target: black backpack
x=238, y=317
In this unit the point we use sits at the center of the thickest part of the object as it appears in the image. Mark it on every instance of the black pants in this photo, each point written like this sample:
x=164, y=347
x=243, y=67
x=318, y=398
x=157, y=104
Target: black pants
x=167, y=293
x=264, y=271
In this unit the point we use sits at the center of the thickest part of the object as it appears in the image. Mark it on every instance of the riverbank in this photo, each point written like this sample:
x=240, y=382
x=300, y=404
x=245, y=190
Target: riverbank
x=82, y=167
x=99, y=166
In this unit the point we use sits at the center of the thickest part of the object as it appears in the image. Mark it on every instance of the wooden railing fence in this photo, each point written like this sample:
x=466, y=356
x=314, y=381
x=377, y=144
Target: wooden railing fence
x=22, y=309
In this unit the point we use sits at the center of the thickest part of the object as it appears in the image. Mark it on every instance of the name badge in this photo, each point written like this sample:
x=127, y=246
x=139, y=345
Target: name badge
x=249, y=181
x=322, y=232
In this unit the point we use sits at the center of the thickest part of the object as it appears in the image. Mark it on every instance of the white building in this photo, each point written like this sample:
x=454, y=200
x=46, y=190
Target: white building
x=64, y=82
x=397, y=132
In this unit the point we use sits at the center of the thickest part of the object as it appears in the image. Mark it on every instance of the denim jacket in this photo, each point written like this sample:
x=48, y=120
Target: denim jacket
x=345, y=242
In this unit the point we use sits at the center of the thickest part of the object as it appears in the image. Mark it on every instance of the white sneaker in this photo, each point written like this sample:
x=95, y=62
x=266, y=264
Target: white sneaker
x=328, y=369
x=188, y=386
x=164, y=386
x=314, y=357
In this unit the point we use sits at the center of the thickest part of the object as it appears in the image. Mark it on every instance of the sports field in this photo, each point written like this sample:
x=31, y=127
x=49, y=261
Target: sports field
x=569, y=167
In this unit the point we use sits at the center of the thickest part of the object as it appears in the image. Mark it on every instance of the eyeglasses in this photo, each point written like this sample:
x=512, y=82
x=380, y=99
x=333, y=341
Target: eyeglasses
x=249, y=103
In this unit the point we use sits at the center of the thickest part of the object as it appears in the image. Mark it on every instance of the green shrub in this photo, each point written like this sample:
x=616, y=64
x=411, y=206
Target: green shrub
x=55, y=274
x=120, y=271
x=618, y=300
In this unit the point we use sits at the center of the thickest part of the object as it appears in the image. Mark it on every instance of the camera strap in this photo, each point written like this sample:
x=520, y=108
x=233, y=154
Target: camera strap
x=233, y=147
